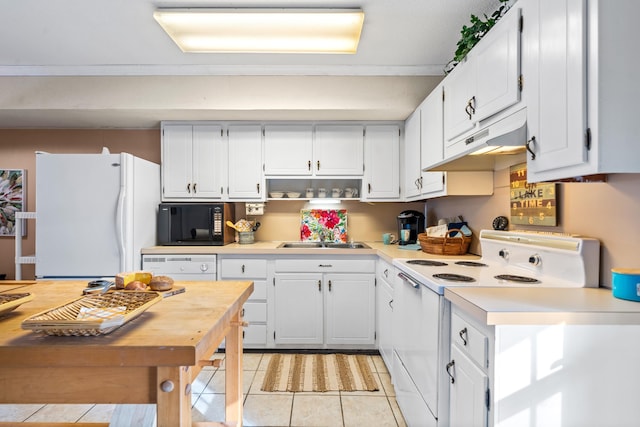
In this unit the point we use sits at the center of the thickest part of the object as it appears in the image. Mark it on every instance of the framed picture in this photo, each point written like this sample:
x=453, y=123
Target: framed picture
x=12, y=200
x=531, y=203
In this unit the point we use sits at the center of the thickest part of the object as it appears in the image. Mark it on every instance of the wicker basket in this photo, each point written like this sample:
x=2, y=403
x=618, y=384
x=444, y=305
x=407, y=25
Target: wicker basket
x=445, y=245
x=93, y=314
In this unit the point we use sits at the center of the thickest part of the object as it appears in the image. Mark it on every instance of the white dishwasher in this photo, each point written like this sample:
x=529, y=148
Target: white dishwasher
x=181, y=267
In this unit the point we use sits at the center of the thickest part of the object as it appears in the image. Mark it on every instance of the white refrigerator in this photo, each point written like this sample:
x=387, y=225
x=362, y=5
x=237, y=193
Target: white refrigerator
x=95, y=213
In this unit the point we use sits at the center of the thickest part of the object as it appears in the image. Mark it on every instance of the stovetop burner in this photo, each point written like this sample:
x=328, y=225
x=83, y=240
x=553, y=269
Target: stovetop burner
x=514, y=278
x=471, y=264
x=427, y=262
x=454, y=277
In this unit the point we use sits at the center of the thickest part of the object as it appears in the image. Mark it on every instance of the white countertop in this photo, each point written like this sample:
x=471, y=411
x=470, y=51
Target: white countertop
x=544, y=306
x=387, y=252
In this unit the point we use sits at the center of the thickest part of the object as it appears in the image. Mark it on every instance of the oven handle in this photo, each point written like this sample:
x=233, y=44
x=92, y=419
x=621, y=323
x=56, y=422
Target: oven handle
x=411, y=281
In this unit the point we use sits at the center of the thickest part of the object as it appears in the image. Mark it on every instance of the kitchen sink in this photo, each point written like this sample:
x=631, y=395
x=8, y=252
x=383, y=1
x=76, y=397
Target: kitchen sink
x=325, y=245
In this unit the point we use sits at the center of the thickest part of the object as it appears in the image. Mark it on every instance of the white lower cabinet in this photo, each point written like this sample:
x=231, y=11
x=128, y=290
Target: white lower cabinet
x=298, y=309
x=468, y=377
x=567, y=372
x=384, y=312
x=324, y=303
x=255, y=309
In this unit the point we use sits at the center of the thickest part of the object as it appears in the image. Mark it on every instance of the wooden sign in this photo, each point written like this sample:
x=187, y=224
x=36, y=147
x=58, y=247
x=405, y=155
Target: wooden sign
x=531, y=204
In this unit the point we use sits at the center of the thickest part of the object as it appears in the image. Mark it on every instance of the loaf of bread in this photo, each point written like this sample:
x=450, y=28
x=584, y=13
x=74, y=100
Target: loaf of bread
x=123, y=279
x=161, y=283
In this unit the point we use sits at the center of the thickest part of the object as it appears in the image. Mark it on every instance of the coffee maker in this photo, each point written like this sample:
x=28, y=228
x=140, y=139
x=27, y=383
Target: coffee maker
x=412, y=221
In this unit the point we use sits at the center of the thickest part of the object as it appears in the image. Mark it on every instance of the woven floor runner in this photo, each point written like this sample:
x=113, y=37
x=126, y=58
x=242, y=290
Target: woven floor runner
x=319, y=372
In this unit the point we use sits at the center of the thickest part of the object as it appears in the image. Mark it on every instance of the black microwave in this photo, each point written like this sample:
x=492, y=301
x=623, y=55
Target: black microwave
x=195, y=224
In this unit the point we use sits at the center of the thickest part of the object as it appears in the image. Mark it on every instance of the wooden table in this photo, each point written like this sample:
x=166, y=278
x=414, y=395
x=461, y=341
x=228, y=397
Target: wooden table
x=152, y=359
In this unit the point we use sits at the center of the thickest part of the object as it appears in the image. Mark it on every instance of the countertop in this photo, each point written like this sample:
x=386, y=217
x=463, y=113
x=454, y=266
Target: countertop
x=387, y=252
x=545, y=306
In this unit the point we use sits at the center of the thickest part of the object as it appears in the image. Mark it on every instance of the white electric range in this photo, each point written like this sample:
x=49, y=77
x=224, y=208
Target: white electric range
x=421, y=315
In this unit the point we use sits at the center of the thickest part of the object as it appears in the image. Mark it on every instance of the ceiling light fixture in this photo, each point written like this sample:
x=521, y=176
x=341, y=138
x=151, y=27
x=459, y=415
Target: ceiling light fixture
x=263, y=30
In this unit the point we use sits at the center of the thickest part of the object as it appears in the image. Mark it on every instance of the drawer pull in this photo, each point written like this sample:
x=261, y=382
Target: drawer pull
x=325, y=265
x=329, y=285
x=320, y=285
x=463, y=336
x=449, y=366
x=243, y=268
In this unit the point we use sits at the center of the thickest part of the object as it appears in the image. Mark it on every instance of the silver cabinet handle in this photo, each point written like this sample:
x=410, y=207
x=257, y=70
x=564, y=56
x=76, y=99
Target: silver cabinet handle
x=463, y=335
x=449, y=366
x=329, y=285
x=242, y=268
x=319, y=285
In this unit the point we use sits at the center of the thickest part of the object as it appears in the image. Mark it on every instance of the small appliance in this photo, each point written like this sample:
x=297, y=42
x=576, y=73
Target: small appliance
x=412, y=221
x=181, y=224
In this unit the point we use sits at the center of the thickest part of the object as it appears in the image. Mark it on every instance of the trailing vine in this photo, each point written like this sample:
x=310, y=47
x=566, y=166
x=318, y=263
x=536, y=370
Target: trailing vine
x=471, y=35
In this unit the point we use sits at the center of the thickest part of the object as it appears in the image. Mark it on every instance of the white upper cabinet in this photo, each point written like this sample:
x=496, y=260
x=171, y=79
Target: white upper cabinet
x=582, y=117
x=382, y=163
x=431, y=128
x=288, y=150
x=338, y=150
x=246, y=180
x=411, y=169
x=486, y=82
x=194, y=162
x=308, y=150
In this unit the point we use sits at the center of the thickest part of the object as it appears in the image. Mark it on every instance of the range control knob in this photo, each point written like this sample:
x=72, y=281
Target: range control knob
x=504, y=253
x=204, y=267
x=535, y=259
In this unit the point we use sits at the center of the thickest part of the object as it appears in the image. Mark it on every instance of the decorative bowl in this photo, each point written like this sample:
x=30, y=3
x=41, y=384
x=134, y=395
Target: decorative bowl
x=276, y=194
x=293, y=194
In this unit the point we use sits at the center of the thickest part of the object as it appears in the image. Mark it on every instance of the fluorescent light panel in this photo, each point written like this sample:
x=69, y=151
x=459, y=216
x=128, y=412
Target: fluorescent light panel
x=263, y=30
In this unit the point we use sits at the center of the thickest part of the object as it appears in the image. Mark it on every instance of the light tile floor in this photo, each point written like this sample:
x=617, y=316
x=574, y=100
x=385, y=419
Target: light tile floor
x=261, y=408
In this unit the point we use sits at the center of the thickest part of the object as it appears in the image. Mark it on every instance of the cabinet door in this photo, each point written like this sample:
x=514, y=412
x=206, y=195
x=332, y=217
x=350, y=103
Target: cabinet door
x=382, y=162
x=433, y=184
x=209, y=162
x=384, y=314
x=177, y=161
x=497, y=58
x=467, y=393
x=298, y=309
x=431, y=129
x=411, y=156
x=459, y=99
x=245, y=162
x=556, y=117
x=338, y=150
x=350, y=308
x=288, y=149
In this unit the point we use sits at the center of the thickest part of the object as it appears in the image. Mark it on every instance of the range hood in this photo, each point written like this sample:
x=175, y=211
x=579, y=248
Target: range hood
x=481, y=148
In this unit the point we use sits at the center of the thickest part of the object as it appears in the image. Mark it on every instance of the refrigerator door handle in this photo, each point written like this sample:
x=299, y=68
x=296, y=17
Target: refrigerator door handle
x=120, y=226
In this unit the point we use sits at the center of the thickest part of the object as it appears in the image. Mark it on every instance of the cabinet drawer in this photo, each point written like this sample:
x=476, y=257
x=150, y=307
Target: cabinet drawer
x=254, y=312
x=254, y=335
x=320, y=265
x=469, y=339
x=241, y=268
x=259, y=290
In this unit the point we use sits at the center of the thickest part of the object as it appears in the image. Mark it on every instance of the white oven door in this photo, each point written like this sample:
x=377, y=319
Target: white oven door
x=416, y=311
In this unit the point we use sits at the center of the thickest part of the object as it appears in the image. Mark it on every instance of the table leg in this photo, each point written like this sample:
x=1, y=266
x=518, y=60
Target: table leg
x=233, y=366
x=174, y=396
